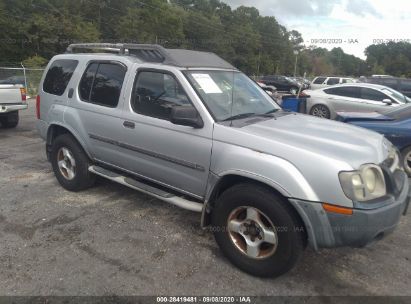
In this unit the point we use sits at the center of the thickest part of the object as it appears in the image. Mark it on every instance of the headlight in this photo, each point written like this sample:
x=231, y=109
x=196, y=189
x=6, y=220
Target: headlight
x=365, y=184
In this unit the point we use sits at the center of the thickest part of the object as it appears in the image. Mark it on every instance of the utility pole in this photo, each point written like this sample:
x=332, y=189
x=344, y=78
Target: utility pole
x=296, y=61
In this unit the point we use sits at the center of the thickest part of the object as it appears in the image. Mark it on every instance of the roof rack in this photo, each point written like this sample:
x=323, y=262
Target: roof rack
x=157, y=54
x=145, y=52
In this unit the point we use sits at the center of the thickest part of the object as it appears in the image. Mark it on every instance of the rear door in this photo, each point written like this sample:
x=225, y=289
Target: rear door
x=344, y=98
x=96, y=108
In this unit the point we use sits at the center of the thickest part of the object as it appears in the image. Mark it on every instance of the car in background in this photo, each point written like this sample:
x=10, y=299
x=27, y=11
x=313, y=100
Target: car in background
x=394, y=124
x=325, y=81
x=352, y=97
x=270, y=90
x=402, y=85
x=14, y=80
x=282, y=83
x=12, y=100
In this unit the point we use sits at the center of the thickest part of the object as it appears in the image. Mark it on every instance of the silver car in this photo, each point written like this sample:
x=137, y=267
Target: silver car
x=354, y=97
x=190, y=129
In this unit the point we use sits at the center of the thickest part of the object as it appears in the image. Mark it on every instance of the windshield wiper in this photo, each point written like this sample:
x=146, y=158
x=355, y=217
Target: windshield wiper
x=239, y=116
x=271, y=111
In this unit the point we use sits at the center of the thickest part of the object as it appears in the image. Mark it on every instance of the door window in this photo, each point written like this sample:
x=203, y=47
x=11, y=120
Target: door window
x=156, y=93
x=319, y=80
x=101, y=83
x=353, y=92
x=332, y=81
x=371, y=94
x=58, y=76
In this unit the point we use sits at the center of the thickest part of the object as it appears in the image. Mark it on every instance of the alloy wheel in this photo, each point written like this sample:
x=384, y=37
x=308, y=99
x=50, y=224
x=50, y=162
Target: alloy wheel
x=252, y=232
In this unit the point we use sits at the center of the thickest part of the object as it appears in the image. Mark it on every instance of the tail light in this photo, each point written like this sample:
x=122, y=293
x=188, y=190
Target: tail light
x=38, y=106
x=23, y=94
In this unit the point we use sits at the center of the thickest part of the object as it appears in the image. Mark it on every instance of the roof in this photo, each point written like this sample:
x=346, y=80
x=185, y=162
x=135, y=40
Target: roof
x=154, y=53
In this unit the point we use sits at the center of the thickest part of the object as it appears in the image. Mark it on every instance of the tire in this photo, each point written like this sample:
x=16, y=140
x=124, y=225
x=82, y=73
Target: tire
x=10, y=120
x=406, y=160
x=274, y=258
x=65, y=148
x=320, y=110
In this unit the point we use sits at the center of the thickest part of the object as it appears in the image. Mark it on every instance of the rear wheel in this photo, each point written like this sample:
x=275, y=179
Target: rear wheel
x=257, y=231
x=70, y=164
x=10, y=120
x=294, y=90
x=320, y=110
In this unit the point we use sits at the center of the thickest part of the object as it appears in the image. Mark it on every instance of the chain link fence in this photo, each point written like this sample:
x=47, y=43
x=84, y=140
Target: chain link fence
x=27, y=77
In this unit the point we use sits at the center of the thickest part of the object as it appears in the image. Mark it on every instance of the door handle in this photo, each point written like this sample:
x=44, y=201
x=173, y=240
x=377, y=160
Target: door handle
x=129, y=124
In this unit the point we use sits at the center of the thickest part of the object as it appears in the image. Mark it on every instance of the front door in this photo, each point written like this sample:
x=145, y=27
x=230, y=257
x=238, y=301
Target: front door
x=172, y=155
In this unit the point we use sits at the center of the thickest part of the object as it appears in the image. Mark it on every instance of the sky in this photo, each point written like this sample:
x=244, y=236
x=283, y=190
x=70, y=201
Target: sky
x=350, y=24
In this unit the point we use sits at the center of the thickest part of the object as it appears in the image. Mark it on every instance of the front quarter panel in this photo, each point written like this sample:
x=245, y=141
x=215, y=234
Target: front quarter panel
x=228, y=159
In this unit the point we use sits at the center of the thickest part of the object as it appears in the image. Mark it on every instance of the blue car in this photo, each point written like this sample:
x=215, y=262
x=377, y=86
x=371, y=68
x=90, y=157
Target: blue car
x=394, y=124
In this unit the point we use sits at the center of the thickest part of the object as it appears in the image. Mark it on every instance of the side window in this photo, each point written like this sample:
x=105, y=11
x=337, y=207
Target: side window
x=101, y=84
x=372, y=94
x=58, y=76
x=390, y=82
x=156, y=93
x=353, y=92
x=405, y=85
x=332, y=81
x=319, y=80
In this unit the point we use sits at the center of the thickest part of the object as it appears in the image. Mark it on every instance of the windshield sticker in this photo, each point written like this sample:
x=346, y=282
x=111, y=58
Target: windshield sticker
x=207, y=83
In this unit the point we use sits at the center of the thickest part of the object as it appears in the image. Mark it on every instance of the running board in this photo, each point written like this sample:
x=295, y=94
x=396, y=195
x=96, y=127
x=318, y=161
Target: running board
x=147, y=189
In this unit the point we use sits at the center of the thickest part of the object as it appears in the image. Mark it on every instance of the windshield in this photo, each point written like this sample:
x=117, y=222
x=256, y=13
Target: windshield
x=396, y=95
x=231, y=95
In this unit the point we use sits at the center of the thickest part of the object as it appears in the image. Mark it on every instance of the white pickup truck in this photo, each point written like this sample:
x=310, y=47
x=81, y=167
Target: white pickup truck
x=12, y=99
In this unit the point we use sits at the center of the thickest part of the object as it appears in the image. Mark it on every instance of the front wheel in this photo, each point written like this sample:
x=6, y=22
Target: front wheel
x=257, y=231
x=294, y=90
x=406, y=160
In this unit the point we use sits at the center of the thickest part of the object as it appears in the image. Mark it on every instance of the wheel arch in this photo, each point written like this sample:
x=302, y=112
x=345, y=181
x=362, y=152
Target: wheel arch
x=220, y=184
x=55, y=130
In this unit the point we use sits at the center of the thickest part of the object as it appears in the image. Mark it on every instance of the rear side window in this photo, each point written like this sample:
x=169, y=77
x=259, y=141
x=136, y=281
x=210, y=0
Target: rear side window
x=390, y=82
x=332, y=81
x=353, y=92
x=101, y=83
x=319, y=80
x=58, y=76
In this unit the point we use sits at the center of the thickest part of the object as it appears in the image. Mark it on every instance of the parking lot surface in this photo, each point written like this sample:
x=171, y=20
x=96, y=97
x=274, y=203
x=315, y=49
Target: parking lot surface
x=111, y=240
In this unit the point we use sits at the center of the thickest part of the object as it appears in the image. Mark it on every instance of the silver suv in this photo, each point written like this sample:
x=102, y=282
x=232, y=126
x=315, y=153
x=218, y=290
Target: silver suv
x=190, y=129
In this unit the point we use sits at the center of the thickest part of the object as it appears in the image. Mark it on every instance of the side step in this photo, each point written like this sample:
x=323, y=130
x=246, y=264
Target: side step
x=147, y=189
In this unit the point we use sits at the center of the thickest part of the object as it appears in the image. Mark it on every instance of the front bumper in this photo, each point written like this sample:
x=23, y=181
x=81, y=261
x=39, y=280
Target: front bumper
x=5, y=108
x=326, y=230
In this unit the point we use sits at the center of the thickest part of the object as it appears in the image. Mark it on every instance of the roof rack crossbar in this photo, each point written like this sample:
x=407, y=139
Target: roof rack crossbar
x=154, y=51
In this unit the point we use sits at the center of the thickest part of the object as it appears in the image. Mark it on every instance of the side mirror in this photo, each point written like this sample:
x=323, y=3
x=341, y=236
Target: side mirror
x=186, y=116
x=387, y=101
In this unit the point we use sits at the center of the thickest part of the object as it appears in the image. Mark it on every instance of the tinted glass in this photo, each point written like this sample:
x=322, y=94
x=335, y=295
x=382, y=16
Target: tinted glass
x=319, y=80
x=107, y=84
x=390, y=82
x=405, y=85
x=87, y=81
x=227, y=94
x=58, y=76
x=353, y=92
x=372, y=94
x=156, y=93
x=333, y=81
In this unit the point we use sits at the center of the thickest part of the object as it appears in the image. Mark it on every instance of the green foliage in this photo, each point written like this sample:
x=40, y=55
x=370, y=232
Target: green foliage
x=35, y=30
x=35, y=62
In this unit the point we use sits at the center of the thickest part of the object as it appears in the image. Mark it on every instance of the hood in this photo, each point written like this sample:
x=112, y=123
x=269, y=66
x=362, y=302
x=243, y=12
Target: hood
x=302, y=138
x=362, y=116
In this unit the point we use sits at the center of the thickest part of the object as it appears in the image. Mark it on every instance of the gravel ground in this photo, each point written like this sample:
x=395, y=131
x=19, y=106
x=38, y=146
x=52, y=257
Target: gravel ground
x=111, y=240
